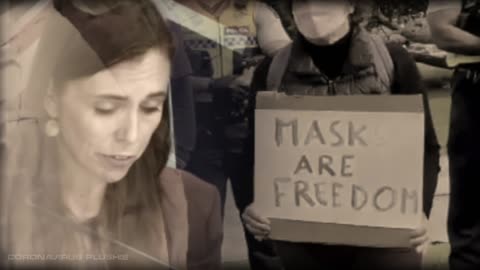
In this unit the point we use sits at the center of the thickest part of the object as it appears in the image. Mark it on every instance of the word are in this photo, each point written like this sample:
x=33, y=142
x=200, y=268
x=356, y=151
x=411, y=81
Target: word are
x=326, y=164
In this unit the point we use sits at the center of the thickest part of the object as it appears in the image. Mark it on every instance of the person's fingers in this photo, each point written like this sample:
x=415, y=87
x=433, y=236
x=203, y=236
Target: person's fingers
x=422, y=249
x=258, y=238
x=256, y=231
x=257, y=217
x=250, y=214
x=420, y=244
x=419, y=240
x=418, y=232
x=265, y=228
x=419, y=237
x=248, y=219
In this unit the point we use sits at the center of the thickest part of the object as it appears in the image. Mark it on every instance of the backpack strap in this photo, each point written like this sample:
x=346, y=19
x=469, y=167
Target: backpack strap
x=277, y=68
x=386, y=68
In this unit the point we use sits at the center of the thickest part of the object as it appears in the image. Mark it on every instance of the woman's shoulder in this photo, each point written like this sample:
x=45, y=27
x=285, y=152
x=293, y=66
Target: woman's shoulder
x=195, y=190
x=188, y=179
x=193, y=209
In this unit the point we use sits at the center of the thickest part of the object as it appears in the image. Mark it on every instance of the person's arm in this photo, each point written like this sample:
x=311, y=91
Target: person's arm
x=200, y=84
x=255, y=224
x=183, y=102
x=204, y=227
x=407, y=80
x=184, y=123
x=271, y=34
x=259, y=80
x=448, y=36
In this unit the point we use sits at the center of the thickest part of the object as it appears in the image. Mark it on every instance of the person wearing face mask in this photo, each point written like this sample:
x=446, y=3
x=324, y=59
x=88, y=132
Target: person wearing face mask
x=332, y=55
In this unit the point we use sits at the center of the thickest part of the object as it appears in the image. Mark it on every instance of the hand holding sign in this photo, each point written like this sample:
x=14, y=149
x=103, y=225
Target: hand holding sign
x=419, y=238
x=334, y=170
x=255, y=223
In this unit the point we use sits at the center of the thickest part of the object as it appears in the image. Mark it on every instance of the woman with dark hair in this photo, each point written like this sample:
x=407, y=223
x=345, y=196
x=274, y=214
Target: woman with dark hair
x=91, y=188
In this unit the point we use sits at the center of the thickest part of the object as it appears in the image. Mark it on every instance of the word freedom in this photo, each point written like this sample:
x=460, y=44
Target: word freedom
x=337, y=195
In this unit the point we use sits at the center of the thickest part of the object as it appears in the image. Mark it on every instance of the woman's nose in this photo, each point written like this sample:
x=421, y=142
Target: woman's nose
x=128, y=128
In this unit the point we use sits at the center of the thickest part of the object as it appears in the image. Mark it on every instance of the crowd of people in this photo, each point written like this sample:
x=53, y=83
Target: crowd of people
x=123, y=122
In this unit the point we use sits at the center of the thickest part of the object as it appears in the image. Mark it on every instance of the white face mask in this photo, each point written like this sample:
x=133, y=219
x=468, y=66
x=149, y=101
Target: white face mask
x=322, y=22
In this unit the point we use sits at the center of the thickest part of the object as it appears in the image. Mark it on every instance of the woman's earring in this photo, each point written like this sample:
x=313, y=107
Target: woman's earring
x=51, y=128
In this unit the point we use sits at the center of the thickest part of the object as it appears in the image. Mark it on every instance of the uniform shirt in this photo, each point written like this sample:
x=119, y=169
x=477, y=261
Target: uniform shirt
x=218, y=35
x=218, y=46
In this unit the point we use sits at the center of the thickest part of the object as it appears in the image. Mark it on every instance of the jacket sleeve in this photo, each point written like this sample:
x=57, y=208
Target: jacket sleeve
x=211, y=255
x=258, y=84
x=183, y=103
x=407, y=80
x=215, y=231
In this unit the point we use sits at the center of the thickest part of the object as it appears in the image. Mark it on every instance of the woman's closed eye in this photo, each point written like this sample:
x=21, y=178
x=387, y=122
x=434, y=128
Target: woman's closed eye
x=150, y=107
x=109, y=107
x=105, y=107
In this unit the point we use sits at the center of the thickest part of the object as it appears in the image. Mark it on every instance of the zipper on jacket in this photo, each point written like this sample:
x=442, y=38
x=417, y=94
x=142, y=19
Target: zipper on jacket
x=332, y=91
x=331, y=88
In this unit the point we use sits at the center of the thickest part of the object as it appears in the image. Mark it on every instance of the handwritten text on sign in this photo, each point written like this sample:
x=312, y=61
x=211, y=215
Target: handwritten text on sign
x=354, y=168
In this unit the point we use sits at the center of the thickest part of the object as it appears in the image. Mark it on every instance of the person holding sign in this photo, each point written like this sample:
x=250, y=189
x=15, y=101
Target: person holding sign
x=455, y=28
x=334, y=56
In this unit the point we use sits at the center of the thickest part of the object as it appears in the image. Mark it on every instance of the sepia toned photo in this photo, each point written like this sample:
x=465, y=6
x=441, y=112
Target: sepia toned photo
x=239, y=134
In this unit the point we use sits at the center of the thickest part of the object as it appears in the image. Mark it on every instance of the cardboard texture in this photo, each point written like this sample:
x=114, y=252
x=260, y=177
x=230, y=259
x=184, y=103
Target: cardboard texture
x=340, y=170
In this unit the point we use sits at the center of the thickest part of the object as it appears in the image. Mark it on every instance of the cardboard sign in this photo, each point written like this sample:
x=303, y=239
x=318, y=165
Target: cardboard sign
x=340, y=170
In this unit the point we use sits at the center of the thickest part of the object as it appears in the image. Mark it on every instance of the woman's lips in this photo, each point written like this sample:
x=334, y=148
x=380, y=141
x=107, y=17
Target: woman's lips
x=118, y=161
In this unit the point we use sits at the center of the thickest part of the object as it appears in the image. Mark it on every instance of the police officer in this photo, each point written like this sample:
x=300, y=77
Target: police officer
x=455, y=28
x=224, y=40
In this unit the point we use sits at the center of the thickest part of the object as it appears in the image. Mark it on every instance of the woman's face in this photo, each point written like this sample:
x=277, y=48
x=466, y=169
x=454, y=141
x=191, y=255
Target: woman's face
x=106, y=120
